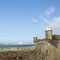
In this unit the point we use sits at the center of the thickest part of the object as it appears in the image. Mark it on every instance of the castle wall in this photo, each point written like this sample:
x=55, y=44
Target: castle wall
x=56, y=37
x=54, y=52
x=49, y=50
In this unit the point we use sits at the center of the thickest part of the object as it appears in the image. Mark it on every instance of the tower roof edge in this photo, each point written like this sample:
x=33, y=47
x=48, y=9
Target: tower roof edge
x=48, y=28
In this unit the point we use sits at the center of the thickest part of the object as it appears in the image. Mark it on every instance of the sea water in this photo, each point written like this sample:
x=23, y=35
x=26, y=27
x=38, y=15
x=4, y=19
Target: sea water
x=2, y=46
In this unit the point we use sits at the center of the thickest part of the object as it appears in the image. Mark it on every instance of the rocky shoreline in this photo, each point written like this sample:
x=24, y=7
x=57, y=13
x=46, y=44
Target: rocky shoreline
x=17, y=54
x=17, y=49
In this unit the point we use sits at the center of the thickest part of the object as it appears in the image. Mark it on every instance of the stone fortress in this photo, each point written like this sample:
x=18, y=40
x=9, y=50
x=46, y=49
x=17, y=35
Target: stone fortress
x=49, y=47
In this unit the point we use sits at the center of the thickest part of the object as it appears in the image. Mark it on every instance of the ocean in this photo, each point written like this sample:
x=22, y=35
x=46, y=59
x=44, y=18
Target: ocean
x=2, y=46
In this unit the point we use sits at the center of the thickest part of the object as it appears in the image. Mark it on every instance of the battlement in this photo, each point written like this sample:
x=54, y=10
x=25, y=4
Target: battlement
x=56, y=37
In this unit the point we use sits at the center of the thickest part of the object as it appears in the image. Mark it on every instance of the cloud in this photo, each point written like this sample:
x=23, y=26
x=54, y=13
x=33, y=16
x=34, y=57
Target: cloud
x=49, y=11
x=45, y=19
x=55, y=23
x=46, y=14
x=35, y=20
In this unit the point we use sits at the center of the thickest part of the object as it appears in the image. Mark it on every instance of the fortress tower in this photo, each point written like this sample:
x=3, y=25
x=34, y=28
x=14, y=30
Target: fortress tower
x=48, y=33
x=35, y=38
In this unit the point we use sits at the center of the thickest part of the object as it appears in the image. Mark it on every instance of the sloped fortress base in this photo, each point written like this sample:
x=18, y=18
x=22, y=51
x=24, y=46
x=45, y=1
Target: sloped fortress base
x=49, y=50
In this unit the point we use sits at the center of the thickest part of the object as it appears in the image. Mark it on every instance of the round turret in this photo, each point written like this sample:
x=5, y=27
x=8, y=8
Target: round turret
x=48, y=33
x=35, y=38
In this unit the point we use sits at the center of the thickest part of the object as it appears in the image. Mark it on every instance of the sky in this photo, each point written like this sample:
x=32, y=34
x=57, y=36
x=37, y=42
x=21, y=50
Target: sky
x=21, y=20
